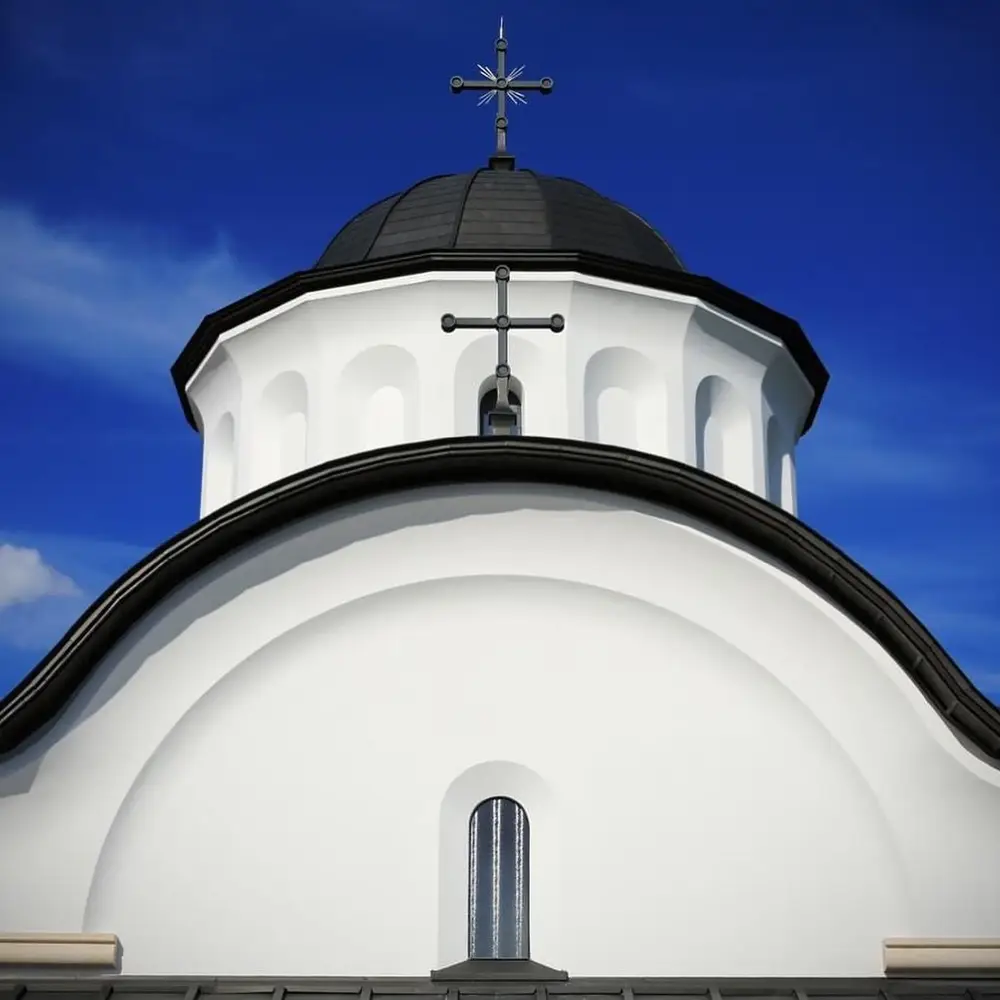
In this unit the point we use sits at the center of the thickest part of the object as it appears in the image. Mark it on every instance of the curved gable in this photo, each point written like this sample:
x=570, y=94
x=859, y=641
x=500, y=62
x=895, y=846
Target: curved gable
x=40, y=697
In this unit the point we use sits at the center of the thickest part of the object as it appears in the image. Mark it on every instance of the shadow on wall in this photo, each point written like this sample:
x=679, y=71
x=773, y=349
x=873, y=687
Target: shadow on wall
x=282, y=427
x=223, y=726
x=723, y=432
x=219, y=473
x=245, y=569
x=625, y=401
x=377, y=401
x=780, y=465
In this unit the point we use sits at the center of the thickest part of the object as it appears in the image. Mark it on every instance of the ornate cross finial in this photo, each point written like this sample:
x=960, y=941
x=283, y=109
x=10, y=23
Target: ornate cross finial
x=498, y=84
x=502, y=418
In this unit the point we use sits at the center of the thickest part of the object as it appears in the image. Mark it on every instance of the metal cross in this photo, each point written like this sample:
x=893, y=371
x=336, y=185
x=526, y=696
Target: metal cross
x=502, y=418
x=499, y=84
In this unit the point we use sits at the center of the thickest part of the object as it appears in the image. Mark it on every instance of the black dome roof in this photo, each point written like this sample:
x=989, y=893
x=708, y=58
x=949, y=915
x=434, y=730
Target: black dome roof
x=503, y=210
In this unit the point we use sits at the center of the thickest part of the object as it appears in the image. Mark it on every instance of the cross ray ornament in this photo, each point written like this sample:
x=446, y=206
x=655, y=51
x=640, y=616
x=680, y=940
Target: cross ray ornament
x=502, y=418
x=498, y=84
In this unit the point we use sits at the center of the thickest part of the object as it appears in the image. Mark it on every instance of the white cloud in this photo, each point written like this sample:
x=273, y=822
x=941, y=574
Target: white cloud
x=88, y=566
x=115, y=300
x=25, y=577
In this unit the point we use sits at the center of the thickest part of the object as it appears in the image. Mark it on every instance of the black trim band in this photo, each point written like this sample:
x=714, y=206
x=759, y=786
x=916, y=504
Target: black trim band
x=681, y=282
x=953, y=986
x=39, y=698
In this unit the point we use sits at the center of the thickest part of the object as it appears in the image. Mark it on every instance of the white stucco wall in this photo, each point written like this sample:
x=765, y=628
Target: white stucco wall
x=368, y=366
x=273, y=773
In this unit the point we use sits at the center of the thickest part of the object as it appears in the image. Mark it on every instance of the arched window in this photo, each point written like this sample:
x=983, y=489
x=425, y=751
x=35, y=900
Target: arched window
x=488, y=402
x=498, y=880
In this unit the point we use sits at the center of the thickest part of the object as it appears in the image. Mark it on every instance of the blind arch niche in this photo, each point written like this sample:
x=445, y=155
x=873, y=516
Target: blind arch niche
x=498, y=880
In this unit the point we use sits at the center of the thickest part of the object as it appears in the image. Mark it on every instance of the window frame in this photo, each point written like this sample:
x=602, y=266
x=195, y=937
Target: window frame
x=506, y=912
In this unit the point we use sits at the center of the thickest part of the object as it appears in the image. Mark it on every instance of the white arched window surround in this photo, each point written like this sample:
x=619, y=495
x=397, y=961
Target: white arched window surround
x=482, y=781
x=499, y=879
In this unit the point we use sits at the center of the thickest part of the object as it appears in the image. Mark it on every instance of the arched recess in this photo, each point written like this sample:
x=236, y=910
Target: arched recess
x=496, y=779
x=282, y=427
x=219, y=468
x=625, y=400
x=377, y=400
x=488, y=400
x=724, y=432
x=479, y=358
x=780, y=466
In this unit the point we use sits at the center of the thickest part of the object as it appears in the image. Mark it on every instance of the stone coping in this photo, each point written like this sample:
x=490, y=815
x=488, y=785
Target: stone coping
x=945, y=955
x=63, y=953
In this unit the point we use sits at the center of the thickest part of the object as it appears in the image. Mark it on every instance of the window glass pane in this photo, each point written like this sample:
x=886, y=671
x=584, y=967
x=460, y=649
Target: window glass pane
x=488, y=402
x=498, y=880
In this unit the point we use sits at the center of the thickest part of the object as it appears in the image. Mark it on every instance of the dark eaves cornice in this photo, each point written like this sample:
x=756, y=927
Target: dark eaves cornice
x=950, y=987
x=611, y=268
x=39, y=698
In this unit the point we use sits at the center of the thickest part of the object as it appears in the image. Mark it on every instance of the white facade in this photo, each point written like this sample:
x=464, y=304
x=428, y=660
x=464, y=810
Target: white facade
x=273, y=773
x=352, y=369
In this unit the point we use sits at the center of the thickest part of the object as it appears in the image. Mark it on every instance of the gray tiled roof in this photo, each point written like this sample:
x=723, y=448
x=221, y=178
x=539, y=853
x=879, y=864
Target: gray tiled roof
x=166, y=988
x=499, y=210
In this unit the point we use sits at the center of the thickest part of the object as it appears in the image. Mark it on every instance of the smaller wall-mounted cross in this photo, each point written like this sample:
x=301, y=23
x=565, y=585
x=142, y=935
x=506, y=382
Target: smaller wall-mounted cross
x=502, y=418
x=502, y=84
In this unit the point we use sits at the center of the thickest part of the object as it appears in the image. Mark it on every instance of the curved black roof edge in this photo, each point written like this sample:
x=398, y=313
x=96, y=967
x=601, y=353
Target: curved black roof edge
x=681, y=282
x=40, y=697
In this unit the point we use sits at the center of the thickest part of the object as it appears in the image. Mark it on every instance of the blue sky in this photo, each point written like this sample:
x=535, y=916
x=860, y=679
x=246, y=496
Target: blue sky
x=834, y=160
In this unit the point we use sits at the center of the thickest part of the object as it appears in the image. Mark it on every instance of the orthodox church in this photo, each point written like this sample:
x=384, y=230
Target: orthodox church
x=498, y=663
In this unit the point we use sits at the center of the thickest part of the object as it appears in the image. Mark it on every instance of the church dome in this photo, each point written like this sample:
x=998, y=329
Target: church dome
x=498, y=210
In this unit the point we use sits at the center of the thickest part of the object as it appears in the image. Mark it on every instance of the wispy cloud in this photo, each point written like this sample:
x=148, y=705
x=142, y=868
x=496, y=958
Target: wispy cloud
x=39, y=602
x=169, y=51
x=688, y=94
x=26, y=577
x=858, y=453
x=951, y=586
x=92, y=563
x=30, y=630
x=901, y=471
x=136, y=43
x=949, y=564
x=902, y=433
x=956, y=595
x=116, y=300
